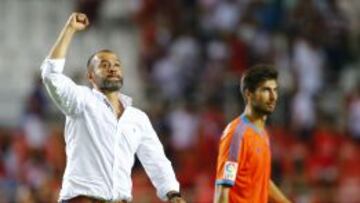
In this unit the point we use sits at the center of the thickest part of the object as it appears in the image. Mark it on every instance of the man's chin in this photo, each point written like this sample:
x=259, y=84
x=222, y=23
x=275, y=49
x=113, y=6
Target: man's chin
x=110, y=86
x=264, y=111
x=268, y=112
x=109, y=89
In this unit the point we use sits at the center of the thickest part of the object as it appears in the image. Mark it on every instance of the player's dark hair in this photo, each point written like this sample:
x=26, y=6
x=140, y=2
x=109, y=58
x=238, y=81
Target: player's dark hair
x=96, y=53
x=255, y=75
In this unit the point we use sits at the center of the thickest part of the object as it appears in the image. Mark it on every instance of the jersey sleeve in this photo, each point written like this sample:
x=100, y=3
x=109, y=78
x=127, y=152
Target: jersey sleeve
x=231, y=154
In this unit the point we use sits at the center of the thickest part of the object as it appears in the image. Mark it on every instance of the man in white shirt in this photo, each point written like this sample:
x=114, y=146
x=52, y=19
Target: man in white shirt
x=103, y=131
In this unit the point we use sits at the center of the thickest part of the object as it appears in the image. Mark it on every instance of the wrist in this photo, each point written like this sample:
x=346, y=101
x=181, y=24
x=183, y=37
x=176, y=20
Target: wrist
x=285, y=200
x=69, y=29
x=173, y=194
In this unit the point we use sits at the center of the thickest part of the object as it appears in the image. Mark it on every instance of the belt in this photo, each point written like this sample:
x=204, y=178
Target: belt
x=83, y=199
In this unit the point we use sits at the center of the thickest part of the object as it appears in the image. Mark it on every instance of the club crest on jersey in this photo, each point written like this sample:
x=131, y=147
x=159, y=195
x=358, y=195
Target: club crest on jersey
x=230, y=170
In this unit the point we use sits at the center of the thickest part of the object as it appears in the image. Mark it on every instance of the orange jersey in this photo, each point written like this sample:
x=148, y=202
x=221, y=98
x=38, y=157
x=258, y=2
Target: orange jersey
x=244, y=162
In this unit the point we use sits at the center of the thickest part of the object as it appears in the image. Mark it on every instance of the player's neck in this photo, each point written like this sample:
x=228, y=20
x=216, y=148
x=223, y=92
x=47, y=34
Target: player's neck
x=257, y=119
x=112, y=96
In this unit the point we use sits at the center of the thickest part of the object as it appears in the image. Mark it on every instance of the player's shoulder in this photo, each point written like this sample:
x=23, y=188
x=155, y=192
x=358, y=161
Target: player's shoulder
x=235, y=121
x=231, y=127
x=136, y=112
x=235, y=126
x=85, y=90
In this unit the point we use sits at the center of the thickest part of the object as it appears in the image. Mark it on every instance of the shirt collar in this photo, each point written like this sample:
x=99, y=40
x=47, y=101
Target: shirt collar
x=124, y=99
x=252, y=125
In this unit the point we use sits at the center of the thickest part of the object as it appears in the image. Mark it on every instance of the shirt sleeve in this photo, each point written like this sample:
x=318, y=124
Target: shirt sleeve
x=63, y=91
x=157, y=166
x=231, y=155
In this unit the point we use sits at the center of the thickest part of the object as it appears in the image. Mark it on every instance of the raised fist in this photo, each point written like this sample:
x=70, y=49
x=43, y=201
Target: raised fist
x=78, y=21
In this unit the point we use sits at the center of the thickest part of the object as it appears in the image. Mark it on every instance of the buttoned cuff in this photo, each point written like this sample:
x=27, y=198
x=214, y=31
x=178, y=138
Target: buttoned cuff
x=163, y=193
x=225, y=182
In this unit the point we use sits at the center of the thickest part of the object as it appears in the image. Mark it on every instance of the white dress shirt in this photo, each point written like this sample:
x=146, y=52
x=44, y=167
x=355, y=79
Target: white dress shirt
x=100, y=148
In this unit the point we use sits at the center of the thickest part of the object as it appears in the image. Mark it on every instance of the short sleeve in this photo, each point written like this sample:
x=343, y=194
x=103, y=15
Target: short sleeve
x=230, y=154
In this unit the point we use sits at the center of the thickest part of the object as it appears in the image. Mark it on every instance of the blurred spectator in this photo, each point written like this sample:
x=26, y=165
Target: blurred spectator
x=226, y=15
x=349, y=176
x=211, y=124
x=167, y=77
x=308, y=64
x=184, y=123
x=303, y=114
x=33, y=121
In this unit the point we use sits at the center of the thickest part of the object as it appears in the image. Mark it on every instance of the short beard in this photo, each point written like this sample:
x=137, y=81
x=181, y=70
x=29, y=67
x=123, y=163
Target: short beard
x=260, y=111
x=111, y=86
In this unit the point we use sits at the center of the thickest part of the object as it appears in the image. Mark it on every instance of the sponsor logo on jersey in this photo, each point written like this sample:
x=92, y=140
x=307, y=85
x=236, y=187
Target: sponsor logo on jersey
x=230, y=170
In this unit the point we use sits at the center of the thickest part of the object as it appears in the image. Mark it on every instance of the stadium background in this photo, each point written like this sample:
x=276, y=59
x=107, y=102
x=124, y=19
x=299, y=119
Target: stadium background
x=183, y=60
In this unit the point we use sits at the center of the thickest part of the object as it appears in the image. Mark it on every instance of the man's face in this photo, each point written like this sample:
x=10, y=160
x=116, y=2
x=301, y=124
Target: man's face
x=106, y=72
x=263, y=100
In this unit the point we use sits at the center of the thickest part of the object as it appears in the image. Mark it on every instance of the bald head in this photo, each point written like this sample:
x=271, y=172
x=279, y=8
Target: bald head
x=105, y=71
x=95, y=55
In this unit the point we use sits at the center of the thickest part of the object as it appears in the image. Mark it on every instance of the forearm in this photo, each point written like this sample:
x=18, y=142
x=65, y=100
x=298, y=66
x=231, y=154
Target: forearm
x=222, y=198
x=65, y=93
x=75, y=23
x=160, y=173
x=156, y=164
x=62, y=44
x=221, y=194
x=275, y=195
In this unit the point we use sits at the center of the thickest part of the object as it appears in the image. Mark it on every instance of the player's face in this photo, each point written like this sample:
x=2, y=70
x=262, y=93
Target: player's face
x=107, y=72
x=264, y=98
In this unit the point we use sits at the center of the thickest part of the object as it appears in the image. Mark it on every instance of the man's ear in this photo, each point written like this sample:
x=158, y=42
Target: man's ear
x=247, y=95
x=90, y=75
